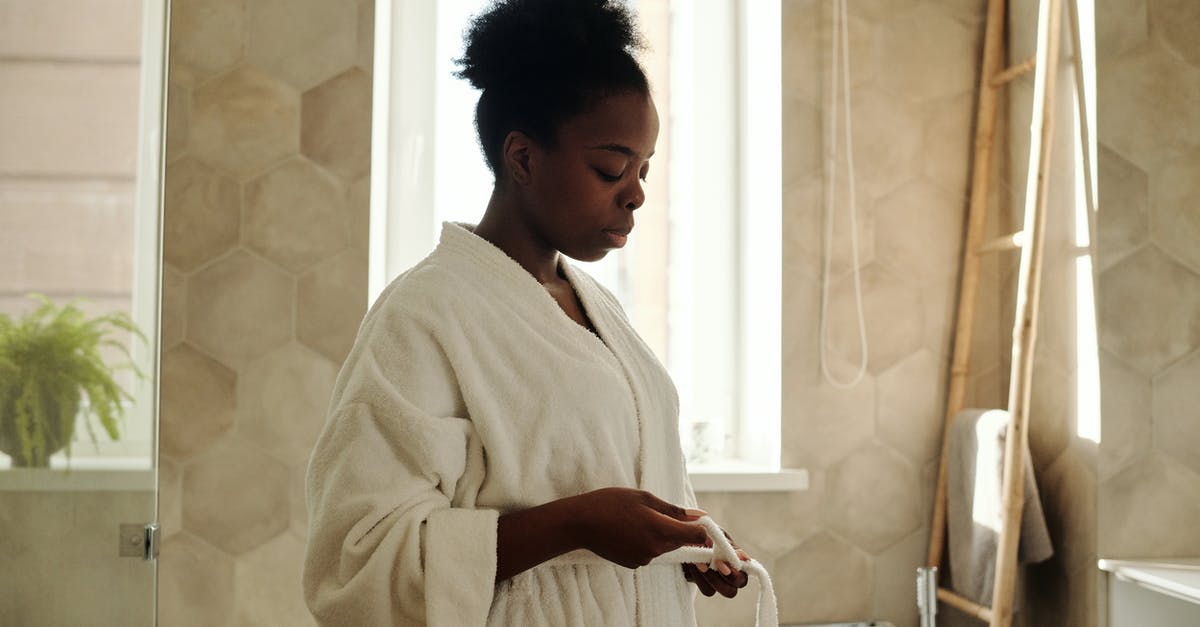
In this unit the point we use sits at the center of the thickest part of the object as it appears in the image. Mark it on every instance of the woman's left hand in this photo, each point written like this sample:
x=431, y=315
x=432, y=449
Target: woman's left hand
x=723, y=578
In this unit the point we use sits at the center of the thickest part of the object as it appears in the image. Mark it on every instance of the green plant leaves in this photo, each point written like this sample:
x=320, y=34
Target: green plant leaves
x=50, y=360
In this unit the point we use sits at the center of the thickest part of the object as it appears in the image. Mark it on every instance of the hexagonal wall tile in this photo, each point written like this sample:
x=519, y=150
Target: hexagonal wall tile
x=1175, y=208
x=1149, y=310
x=170, y=512
x=909, y=398
x=802, y=143
x=804, y=235
x=919, y=231
x=1175, y=21
x=295, y=215
x=303, y=42
x=240, y=308
x=179, y=120
x=874, y=498
x=968, y=12
x=822, y=423
x=197, y=400
x=335, y=124
x=244, y=121
x=364, y=55
x=174, y=306
x=1176, y=397
x=1120, y=26
x=898, y=566
x=201, y=212
x=894, y=318
x=358, y=211
x=887, y=142
x=1151, y=79
x=1068, y=491
x=806, y=57
x=929, y=54
x=195, y=583
x=741, y=514
x=1051, y=412
x=1126, y=406
x=879, y=10
x=800, y=342
x=207, y=38
x=236, y=520
x=947, y=142
x=282, y=398
x=272, y=572
x=1150, y=509
x=297, y=505
x=823, y=579
x=1124, y=221
x=330, y=304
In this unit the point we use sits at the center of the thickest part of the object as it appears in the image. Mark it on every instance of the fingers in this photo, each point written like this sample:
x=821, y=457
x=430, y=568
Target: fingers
x=672, y=510
x=691, y=574
x=719, y=583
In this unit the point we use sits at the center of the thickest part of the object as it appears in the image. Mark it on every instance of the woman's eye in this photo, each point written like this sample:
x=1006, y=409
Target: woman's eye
x=611, y=178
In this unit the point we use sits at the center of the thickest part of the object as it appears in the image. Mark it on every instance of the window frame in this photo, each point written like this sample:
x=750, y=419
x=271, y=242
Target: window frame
x=402, y=176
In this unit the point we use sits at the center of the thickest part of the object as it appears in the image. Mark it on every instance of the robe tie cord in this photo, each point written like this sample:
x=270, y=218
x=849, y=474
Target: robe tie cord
x=722, y=549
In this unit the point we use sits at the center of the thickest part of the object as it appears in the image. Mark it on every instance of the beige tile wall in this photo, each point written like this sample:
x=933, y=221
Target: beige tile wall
x=251, y=147
x=1149, y=93
x=847, y=548
x=264, y=246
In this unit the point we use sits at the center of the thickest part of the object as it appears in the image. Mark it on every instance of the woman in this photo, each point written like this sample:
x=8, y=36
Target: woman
x=501, y=447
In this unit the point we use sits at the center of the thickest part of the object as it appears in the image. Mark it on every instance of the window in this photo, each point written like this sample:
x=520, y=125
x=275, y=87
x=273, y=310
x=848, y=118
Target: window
x=701, y=277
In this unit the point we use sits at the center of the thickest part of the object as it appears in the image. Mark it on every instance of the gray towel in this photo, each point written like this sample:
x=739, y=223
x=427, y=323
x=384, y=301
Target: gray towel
x=974, y=500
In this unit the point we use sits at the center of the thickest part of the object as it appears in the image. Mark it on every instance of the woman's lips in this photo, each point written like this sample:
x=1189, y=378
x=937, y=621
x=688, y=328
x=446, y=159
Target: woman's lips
x=617, y=237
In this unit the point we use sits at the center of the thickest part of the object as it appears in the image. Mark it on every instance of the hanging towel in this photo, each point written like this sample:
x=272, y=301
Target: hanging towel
x=469, y=393
x=974, y=501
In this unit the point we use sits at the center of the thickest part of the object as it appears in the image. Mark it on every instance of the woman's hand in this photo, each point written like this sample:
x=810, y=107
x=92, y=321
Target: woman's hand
x=631, y=527
x=723, y=579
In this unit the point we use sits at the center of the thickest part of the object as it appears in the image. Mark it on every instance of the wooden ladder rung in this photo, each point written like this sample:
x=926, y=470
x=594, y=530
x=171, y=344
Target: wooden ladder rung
x=953, y=599
x=1012, y=241
x=1016, y=71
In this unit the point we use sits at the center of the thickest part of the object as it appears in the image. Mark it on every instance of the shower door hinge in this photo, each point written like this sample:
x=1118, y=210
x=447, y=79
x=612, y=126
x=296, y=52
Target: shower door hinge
x=139, y=540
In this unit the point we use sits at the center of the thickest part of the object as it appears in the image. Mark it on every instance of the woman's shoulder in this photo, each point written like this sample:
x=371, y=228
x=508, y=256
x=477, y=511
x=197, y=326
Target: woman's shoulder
x=427, y=292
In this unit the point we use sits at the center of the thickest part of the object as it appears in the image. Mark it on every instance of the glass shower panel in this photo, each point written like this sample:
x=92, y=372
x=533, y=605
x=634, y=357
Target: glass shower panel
x=81, y=103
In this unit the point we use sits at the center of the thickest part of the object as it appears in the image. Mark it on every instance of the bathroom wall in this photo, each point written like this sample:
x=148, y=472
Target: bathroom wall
x=1149, y=307
x=264, y=244
x=848, y=547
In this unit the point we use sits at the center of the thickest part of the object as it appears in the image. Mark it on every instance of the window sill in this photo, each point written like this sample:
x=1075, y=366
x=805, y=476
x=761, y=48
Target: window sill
x=742, y=477
x=87, y=474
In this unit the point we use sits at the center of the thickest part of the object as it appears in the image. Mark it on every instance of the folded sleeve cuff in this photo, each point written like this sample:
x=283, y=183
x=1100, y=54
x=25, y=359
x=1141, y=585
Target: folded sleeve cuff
x=460, y=566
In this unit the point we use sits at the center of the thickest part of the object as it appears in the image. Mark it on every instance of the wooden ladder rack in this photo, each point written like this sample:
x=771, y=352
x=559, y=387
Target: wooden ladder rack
x=1031, y=242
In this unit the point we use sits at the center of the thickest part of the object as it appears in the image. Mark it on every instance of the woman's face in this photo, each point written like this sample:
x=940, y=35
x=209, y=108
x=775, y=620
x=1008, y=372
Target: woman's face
x=583, y=191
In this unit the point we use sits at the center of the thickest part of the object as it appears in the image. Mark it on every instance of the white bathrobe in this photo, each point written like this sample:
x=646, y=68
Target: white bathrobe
x=470, y=393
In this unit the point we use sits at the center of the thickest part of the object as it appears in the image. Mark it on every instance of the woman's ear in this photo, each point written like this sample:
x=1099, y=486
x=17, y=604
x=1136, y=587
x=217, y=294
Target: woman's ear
x=518, y=157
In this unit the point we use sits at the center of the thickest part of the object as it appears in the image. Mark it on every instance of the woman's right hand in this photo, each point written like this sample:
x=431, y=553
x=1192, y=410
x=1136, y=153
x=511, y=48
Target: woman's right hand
x=631, y=527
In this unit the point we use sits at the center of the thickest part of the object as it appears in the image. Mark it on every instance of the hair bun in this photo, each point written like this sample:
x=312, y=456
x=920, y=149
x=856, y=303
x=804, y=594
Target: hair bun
x=519, y=41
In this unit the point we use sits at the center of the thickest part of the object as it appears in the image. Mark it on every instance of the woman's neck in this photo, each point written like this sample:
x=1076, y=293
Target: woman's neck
x=504, y=226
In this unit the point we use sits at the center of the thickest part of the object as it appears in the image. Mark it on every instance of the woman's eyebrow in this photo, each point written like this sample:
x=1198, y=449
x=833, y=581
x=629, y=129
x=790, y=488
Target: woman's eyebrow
x=625, y=150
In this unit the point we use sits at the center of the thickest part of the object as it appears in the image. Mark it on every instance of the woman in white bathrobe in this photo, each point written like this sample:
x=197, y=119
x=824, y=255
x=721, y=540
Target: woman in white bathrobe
x=501, y=446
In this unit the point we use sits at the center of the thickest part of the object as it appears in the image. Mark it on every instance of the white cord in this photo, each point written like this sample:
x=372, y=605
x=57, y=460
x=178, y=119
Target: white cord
x=767, y=611
x=840, y=60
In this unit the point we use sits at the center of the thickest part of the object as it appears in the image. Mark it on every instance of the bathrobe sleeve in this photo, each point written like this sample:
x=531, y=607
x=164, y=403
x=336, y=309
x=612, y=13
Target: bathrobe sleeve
x=393, y=537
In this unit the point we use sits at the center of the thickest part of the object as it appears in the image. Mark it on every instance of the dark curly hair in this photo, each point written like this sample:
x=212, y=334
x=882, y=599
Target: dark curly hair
x=540, y=62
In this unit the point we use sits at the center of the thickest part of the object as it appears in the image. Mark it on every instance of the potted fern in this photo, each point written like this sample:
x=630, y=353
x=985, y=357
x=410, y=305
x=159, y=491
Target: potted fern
x=50, y=363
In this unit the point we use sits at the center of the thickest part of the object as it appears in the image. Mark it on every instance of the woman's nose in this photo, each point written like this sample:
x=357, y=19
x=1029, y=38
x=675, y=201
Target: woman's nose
x=634, y=195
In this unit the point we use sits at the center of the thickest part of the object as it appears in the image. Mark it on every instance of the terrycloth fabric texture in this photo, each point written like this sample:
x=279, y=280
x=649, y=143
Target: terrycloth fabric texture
x=974, y=502
x=469, y=393
x=767, y=613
